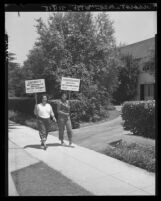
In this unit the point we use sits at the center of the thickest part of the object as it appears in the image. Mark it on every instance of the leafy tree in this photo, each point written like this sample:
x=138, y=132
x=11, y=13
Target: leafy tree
x=15, y=86
x=128, y=80
x=76, y=45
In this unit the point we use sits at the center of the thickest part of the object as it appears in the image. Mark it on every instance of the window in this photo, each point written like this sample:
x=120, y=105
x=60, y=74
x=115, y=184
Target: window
x=149, y=91
x=146, y=68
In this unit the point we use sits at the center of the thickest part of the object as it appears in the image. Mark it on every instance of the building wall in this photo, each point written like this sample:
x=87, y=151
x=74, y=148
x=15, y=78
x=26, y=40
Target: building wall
x=144, y=78
x=141, y=51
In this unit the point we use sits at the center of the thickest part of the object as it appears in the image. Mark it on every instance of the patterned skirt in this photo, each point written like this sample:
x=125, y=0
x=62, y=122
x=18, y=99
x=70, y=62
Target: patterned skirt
x=44, y=127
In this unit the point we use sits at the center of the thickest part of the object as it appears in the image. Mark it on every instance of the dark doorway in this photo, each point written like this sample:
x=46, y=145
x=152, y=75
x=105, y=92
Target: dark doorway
x=142, y=92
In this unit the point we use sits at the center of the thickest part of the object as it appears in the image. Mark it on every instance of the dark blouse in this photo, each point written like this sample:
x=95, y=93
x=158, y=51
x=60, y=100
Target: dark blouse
x=64, y=107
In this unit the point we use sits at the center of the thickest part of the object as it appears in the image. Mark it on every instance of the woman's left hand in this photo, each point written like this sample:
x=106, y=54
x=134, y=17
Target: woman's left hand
x=54, y=119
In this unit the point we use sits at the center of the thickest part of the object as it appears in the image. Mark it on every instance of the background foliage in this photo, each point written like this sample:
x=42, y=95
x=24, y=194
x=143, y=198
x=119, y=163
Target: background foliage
x=139, y=117
x=127, y=80
x=78, y=45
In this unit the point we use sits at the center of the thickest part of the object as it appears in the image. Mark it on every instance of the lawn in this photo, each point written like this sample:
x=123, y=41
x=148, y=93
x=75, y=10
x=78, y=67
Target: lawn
x=133, y=152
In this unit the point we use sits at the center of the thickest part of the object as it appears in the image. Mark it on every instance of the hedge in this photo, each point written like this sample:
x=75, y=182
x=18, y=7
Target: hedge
x=139, y=117
x=26, y=106
x=23, y=105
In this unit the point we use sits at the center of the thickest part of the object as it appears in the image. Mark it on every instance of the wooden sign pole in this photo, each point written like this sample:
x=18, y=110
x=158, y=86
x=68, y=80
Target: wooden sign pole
x=36, y=103
x=69, y=95
x=36, y=98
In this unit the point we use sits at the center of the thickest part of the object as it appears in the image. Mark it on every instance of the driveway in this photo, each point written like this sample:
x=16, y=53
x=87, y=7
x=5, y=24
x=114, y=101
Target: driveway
x=97, y=136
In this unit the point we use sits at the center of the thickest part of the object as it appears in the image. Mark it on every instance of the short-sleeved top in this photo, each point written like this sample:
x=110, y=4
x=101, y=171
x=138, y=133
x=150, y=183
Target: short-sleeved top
x=44, y=111
x=64, y=107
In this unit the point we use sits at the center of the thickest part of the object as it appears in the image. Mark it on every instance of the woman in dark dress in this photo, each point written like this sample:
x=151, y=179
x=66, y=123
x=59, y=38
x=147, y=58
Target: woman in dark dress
x=63, y=110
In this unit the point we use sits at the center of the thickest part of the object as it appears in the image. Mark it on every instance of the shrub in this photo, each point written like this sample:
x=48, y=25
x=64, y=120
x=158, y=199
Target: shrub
x=92, y=110
x=31, y=123
x=23, y=105
x=18, y=117
x=139, y=117
x=76, y=113
x=12, y=115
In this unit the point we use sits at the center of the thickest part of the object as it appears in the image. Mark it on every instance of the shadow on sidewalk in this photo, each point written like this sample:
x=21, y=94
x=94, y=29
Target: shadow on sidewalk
x=37, y=146
x=13, y=127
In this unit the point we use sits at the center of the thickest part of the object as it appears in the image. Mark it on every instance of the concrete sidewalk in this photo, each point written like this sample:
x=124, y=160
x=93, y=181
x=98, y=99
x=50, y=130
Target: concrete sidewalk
x=95, y=172
x=17, y=159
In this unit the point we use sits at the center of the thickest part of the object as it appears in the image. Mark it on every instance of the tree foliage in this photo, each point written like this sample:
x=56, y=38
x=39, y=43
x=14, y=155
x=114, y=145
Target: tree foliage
x=75, y=44
x=127, y=79
x=15, y=77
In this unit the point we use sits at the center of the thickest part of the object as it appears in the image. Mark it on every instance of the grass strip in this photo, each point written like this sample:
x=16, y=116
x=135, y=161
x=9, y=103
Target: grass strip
x=133, y=153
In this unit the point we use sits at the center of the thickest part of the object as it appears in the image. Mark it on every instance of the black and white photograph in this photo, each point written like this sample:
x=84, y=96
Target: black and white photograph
x=81, y=101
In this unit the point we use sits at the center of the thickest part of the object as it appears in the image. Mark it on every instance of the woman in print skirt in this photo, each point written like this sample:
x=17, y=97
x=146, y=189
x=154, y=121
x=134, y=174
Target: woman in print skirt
x=44, y=112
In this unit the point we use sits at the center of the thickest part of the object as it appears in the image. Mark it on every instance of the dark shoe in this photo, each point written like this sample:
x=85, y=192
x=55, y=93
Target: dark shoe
x=45, y=147
x=42, y=145
x=62, y=143
x=70, y=143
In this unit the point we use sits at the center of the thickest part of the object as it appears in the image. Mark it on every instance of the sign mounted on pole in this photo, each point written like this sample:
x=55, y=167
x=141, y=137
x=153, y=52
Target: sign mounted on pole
x=35, y=86
x=70, y=84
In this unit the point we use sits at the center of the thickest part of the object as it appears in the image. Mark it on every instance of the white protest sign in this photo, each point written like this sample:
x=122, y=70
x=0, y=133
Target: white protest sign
x=35, y=86
x=70, y=84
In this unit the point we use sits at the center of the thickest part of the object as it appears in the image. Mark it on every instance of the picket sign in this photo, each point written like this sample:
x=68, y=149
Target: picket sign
x=70, y=84
x=35, y=86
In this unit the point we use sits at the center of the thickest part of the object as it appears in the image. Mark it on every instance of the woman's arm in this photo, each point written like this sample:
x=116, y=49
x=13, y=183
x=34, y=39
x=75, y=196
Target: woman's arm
x=68, y=103
x=52, y=113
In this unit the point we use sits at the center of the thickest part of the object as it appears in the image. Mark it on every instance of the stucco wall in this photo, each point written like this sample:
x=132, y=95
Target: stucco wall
x=140, y=51
x=146, y=78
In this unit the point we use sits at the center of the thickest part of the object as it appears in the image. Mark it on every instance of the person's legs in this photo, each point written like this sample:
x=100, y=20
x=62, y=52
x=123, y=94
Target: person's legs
x=47, y=125
x=61, y=125
x=69, y=130
x=42, y=131
x=41, y=128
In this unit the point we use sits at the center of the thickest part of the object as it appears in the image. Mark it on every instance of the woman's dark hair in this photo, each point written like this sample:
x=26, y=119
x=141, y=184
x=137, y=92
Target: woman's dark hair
x=63, y=93
x=43, y=96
